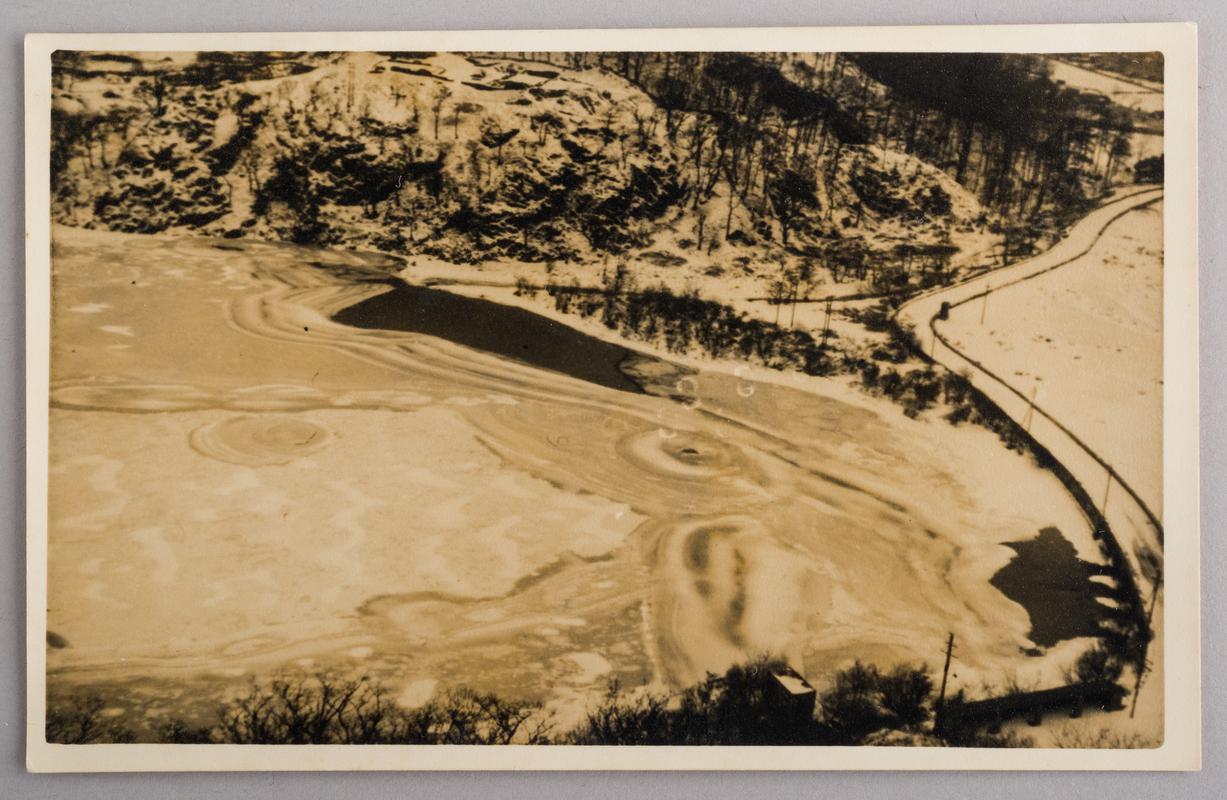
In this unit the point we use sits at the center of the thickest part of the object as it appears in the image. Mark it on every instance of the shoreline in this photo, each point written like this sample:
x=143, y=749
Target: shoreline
x=840, y=389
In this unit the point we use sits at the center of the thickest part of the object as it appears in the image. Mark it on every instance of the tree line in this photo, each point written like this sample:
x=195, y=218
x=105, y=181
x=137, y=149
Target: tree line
x=680, y=322
x=997, y=123
x=746, y=705
x=1000, y=124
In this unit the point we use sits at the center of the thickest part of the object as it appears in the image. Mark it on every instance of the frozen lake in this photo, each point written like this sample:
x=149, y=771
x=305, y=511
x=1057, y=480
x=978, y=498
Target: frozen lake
x=301, y=494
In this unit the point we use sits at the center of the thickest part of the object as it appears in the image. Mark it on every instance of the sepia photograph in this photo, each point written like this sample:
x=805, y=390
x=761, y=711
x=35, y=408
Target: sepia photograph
x=579, y=397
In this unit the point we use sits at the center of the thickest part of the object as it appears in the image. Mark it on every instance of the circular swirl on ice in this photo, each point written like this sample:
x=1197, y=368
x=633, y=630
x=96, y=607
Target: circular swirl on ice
x=680, y=454
x=258, y=440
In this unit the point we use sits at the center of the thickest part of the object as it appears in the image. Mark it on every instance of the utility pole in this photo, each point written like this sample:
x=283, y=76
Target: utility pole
x=1154, y=595
x=938, y=719
x=349, y=91
x=826, y=323
x=984, y=306
x=1137, y=687
x=1030, y=409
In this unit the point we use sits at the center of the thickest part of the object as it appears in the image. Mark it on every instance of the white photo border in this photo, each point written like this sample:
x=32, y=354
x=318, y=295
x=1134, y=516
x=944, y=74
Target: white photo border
x=1181, y=748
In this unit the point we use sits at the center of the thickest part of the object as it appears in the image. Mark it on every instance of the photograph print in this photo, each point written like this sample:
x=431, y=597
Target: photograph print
x=605, y=398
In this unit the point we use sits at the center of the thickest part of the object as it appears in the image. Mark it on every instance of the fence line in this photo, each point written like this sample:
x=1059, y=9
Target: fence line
x=1133, y=561
x=1110, y=472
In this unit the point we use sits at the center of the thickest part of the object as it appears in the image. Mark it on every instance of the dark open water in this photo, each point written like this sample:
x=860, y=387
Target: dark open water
x=495, y=328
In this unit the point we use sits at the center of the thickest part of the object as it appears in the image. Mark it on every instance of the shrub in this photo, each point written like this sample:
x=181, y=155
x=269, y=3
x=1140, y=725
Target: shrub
x=680, y=322
x=1097, y=664
x=325, y=710
x=80, y=720
x=640, y=719
x=746, y=705
x=525, y=288
x=850, y=707
x=743, y=706
x=934, y=201
x=177, y=731
x=904, y=692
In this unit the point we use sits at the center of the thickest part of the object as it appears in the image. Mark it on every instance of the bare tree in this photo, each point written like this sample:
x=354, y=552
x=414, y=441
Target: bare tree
x=494, y=136
x=437, y=99
x=152, y=92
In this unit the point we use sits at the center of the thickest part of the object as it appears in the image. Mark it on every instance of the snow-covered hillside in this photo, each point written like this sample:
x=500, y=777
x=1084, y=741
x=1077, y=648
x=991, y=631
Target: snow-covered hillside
x=479, y=158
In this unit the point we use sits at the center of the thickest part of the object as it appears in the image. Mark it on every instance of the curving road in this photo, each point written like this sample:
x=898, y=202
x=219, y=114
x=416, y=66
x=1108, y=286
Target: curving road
x=1136, y=526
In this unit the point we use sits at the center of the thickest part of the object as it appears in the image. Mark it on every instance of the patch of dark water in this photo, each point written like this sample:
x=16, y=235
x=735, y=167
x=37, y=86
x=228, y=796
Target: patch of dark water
x=495, y=328
x=1047, y=578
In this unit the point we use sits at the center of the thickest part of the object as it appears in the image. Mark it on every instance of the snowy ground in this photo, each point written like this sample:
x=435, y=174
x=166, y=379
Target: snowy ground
x=1012, y=392
x=1128, y=93
x=1049, y=329
x=298, y=494
x=1088, y=339
x=688, y=246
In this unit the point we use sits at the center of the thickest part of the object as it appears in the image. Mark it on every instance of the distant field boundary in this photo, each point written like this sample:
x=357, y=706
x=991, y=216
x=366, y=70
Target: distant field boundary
x=1116, y=76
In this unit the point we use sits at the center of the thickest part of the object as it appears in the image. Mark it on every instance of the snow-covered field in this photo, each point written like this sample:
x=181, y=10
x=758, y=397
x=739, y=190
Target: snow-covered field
x=1128, y=517
x=241, y=486
x=1088, y=340
x=1128, y=93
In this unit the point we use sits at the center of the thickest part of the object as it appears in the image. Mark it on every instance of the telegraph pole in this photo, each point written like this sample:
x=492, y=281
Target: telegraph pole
x=984, y=306
x=1137, y=687
x=349, y=91
x=941, y=695
x=1141, y=670
x=1031, y=408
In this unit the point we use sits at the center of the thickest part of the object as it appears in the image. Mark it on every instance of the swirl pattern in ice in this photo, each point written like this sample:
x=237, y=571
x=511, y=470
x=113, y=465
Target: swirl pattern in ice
x=685, y=455
x=259, y=440
x=455, y=511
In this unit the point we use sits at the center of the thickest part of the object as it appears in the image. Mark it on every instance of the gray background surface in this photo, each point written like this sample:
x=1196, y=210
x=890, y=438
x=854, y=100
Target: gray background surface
x=19, y=17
